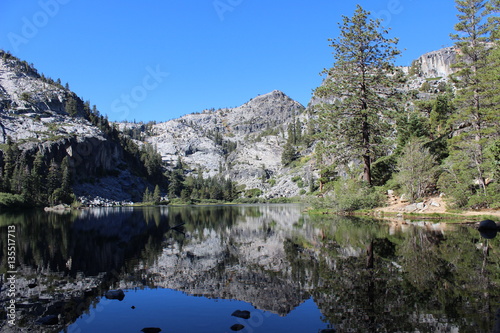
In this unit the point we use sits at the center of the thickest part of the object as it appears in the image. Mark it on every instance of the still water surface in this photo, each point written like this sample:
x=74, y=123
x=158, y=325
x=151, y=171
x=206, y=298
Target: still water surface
x=188, y=269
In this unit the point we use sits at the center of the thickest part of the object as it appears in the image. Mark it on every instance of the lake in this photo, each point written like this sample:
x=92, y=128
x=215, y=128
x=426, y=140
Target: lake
x=246, y=268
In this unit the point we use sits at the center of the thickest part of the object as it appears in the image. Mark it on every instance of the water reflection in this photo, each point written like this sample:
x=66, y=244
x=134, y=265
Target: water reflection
x=359, y=274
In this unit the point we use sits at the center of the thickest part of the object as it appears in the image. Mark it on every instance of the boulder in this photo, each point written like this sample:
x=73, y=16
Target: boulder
x=487, y=224
x=488, y=229
x=410, y=208
x=404, y=198
x=421, y=206
x=115, y=294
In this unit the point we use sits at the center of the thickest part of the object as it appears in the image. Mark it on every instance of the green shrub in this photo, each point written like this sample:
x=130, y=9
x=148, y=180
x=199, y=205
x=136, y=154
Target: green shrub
x=253, y=193
x=349, y=195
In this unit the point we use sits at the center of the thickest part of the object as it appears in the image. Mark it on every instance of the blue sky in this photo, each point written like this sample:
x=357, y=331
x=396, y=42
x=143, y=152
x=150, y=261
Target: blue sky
x=160, y=59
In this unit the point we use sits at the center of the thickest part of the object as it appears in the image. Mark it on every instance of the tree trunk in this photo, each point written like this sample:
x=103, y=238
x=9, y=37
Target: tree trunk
x=367, y=174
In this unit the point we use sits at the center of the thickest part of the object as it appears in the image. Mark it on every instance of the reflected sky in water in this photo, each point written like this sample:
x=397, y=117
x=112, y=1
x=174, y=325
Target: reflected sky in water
x=175, y=311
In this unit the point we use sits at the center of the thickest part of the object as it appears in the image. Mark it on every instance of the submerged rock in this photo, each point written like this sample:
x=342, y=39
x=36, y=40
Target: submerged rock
x=237, y=327
x=151, y=330
x=241, y=314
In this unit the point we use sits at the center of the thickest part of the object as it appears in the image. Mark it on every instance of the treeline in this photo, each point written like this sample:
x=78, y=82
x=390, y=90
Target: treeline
x=27, y=180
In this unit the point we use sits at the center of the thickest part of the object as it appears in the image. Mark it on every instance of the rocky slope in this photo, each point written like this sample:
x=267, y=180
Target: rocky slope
x=33, y=115
x=243, y=143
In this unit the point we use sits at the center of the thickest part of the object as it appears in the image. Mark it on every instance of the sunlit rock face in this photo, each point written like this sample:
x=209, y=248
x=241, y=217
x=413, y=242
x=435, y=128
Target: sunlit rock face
x=437, y=63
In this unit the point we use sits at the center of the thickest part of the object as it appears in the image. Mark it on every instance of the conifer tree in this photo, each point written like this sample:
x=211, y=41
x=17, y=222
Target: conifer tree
x=10, y=158
x=71, y=106
x=146, y=196
x=37, y=179
x=362, y=85
x=53, y=181
x=66, y=193
x=157, y=195
x=474, y=122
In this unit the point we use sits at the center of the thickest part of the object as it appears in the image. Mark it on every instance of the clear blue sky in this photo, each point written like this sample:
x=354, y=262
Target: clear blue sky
x=160, y=59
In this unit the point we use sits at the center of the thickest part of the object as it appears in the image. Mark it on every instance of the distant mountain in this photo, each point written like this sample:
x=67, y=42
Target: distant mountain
x=243, y=143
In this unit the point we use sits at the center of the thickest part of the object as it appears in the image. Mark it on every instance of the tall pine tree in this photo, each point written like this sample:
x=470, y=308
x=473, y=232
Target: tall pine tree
x=475, y=121
x=360, y=87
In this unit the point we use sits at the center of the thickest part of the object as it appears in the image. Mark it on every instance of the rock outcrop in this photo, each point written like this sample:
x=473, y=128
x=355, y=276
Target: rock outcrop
x=436, y=63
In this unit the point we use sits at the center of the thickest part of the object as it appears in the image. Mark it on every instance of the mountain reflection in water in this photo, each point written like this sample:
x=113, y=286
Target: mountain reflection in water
x=291, y=271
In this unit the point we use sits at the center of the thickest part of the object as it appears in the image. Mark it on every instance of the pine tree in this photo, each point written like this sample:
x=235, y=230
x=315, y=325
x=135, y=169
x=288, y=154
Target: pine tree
x=146, y=196
x=362, y=84
x=156, y=195
x=474, y=123
x=66, y=191
x=54, y=178
x=289, y=154
x=71, y=106
x=10, y=158
x=37, y=178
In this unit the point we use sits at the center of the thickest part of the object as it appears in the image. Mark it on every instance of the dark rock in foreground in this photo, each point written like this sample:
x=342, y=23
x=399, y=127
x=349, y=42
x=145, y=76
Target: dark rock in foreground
x=241, y=314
